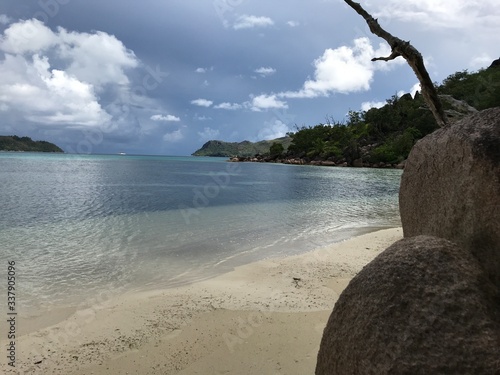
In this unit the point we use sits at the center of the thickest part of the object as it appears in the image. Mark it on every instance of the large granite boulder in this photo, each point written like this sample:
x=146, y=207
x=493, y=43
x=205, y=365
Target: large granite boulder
x=423, y=306
x=450, y=187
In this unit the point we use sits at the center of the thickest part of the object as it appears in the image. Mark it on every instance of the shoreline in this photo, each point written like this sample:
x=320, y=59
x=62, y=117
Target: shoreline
x=358, y=163
x=263, y=317
x=37, y=317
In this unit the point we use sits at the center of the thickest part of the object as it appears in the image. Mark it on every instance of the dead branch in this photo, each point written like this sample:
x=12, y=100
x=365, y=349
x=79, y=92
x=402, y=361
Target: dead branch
x=393, y=55
x=413, y=58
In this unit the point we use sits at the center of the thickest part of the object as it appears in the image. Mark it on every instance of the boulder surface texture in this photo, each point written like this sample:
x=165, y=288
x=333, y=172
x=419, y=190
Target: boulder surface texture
x=450, y=187
x=423, y=306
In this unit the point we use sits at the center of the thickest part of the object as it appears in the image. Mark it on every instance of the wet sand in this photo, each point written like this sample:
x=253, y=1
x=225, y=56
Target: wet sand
x=262, y=318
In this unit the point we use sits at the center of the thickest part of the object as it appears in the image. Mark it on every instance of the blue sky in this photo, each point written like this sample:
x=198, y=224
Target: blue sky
x=163, y=77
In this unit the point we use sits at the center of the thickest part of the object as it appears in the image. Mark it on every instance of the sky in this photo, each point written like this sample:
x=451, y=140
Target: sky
x=162, y=77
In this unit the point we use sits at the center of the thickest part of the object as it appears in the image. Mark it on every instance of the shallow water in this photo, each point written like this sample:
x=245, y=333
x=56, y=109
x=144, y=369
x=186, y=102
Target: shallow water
x=78, y=226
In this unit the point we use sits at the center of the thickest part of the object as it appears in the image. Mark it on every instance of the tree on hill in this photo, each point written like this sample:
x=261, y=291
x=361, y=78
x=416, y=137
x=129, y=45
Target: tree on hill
x=479, y=89
x=387, y=134
x=15, y=143
x=276, y=150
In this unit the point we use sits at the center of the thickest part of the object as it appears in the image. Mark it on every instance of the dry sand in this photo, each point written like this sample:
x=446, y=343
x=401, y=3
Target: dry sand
x=262, y=318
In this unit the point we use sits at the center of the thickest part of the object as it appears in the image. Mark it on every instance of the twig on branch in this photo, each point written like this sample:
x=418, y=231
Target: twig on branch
x=393, y=55
x=413, y=58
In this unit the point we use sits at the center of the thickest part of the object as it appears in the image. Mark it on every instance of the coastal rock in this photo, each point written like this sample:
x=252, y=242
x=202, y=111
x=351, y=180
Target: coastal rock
x=357, y=163
x=458, y=109
x=401, y=165
x=328, y=163
x=423, y=306
x=450, y=187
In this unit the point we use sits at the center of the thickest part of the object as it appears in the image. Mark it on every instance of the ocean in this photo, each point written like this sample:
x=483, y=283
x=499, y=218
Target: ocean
x=82, y=225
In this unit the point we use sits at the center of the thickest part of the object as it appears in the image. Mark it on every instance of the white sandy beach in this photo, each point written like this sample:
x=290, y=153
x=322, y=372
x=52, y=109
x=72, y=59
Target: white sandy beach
x=262, y=318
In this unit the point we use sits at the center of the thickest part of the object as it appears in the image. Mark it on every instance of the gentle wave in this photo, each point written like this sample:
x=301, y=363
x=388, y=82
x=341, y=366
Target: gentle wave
x=78, y=227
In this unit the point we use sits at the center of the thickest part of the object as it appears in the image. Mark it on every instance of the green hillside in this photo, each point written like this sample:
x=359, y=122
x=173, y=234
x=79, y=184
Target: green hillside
x=377, y=137
x=245, y=148
x=387, y=134
x=15, y=143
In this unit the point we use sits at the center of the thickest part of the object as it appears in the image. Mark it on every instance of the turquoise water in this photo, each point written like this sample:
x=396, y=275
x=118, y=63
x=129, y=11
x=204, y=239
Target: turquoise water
x=79, y=225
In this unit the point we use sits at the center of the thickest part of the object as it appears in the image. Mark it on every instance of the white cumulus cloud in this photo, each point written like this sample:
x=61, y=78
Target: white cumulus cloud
x=27, y=36
x=365, y=106
x=165, y=118
x=228, y=106
x=202, y=102
x=273, y=130
x=48, y=96
x=263, y=71
x=204, y=70
x=458, y=14
x=248, y=22
x=32, y=88
x=416, y=87
x=97, y=58
x=344, y=70
x=264, y=102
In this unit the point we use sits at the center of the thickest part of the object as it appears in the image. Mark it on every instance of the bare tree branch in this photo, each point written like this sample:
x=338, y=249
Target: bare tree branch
x=413, y=58
x=393, y=55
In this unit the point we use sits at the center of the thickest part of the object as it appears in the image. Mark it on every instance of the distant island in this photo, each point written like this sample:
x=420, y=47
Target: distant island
x=244, y=149
x=15, y=143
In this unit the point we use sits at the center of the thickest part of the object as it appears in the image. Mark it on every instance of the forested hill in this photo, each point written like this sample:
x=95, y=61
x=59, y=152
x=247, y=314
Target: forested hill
x=386, y=135
x=15, y=143
x=245, y=148
x=382, y=136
